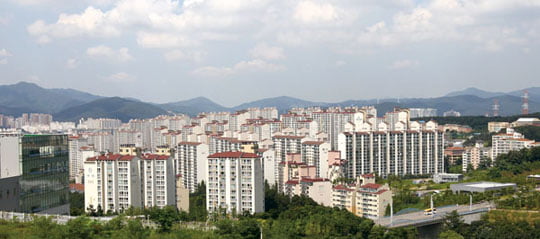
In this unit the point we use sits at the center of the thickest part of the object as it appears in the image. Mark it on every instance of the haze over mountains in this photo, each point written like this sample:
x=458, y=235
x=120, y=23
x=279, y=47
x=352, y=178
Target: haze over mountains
x=71, y=105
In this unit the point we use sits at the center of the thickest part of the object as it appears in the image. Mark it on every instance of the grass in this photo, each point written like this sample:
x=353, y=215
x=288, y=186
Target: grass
x=531, y=217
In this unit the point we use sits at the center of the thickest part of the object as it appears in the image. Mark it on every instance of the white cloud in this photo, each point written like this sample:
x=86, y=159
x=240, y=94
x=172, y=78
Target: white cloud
x=163, y=40
x=402, y=64
x=4, y=52
x=33, y=78
x=120, y=55
x=492, y=46
x=264, y=51
x=120, y=77
x=256, y=65
x=340, y=63
x=5, y=20
x=339, y=26
x=72, y=63
x=311, y=12
x=184, y=56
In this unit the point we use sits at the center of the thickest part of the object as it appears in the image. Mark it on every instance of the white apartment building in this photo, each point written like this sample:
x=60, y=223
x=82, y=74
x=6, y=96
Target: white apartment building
x=473, y=155
x=318, y=189
x=268, y=156
x=387, y=152
x=112, y=182
x=283, y=145
x=333, y=122
x=99, y=124
x=191, y=162
x=422, y=112
x=75, y=160
x=158, y=180
x=504, y=143
x=235, y=182
x=315, y=153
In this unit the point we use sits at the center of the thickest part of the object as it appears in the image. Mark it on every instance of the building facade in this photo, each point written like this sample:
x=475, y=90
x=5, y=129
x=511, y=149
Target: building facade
x=235, y=183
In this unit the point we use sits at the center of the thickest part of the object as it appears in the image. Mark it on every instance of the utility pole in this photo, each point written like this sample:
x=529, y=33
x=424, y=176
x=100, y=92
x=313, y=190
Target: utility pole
x=470, y=202
x=391, y=213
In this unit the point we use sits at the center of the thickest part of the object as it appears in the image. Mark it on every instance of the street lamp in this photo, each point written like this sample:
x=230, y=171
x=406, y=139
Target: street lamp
x=470, y=202
x=431, y=202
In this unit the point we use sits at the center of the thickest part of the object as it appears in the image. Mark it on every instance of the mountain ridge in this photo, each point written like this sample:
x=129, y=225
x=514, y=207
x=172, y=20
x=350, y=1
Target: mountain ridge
x=25, y=97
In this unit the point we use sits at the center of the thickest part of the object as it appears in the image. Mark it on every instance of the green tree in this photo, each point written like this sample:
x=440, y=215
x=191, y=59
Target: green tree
x=449, y=234
x=165, y=217
x=452, y=221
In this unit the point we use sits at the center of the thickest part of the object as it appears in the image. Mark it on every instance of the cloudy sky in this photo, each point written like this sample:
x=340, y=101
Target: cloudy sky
x=233, y=51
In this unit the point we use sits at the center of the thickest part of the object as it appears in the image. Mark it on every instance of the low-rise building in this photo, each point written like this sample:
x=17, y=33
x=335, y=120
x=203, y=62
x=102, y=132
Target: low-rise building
x=447, y=177
x=480, y=187
x=495, y=127
x=318, y=189
x=364, y=199
x=504, y=143
x=453, y=154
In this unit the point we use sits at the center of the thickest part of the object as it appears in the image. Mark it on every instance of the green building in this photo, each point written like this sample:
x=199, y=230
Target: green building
x=42, y=182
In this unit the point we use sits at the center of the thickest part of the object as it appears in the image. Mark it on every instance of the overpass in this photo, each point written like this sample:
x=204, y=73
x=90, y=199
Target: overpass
x=469, y=213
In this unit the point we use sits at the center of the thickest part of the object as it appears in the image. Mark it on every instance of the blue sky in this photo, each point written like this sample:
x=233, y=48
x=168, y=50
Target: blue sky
x=241, y=50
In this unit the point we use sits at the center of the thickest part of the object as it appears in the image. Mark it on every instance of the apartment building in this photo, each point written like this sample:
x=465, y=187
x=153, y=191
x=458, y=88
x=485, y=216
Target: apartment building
x=315, y=153
x=474, y=155
x=191, y=162
x=407, y=150
x=112, y=182
x=504, y=143
x=75, y=159
x=364, y=199
x=235, y=183
x=158, y=180
x=318, y=189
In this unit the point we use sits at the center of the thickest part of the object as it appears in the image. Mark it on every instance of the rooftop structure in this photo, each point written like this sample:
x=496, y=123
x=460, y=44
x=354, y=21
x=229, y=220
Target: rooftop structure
x=480, y=187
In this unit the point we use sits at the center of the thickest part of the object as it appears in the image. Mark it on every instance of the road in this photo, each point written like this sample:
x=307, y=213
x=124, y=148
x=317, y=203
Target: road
x=419, y=217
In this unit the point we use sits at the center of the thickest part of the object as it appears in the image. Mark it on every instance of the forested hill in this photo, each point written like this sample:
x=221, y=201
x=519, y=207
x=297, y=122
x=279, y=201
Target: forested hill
x=479, y=123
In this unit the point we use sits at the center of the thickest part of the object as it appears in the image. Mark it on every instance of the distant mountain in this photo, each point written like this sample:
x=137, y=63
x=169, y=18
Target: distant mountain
x=69, y=104
x=475, y=92
x=282, y=103
x=29, y=97
x=534, y=93
x=113, y=107
x=76, y=95
x=194, y=106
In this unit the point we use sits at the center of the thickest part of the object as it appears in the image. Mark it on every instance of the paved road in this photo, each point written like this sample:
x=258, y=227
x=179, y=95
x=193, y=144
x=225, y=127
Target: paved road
x=419, y=217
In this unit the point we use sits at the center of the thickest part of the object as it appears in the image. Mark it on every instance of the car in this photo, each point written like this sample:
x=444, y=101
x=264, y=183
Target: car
x=429, y=211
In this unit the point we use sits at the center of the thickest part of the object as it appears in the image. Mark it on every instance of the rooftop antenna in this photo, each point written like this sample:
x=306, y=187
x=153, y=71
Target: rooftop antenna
x=525, y=105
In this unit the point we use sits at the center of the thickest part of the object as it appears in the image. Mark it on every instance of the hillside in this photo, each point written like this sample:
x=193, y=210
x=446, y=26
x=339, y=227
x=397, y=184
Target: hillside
x=194, y=106
x=25, y=97
x=282, y=103
x=114, y=107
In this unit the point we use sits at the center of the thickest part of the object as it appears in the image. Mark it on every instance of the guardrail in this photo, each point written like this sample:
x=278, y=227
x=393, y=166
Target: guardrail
x=433, y=220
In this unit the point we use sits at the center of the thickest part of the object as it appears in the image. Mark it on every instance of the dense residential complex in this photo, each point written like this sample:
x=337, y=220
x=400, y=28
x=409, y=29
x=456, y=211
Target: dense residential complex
x=307, y=151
